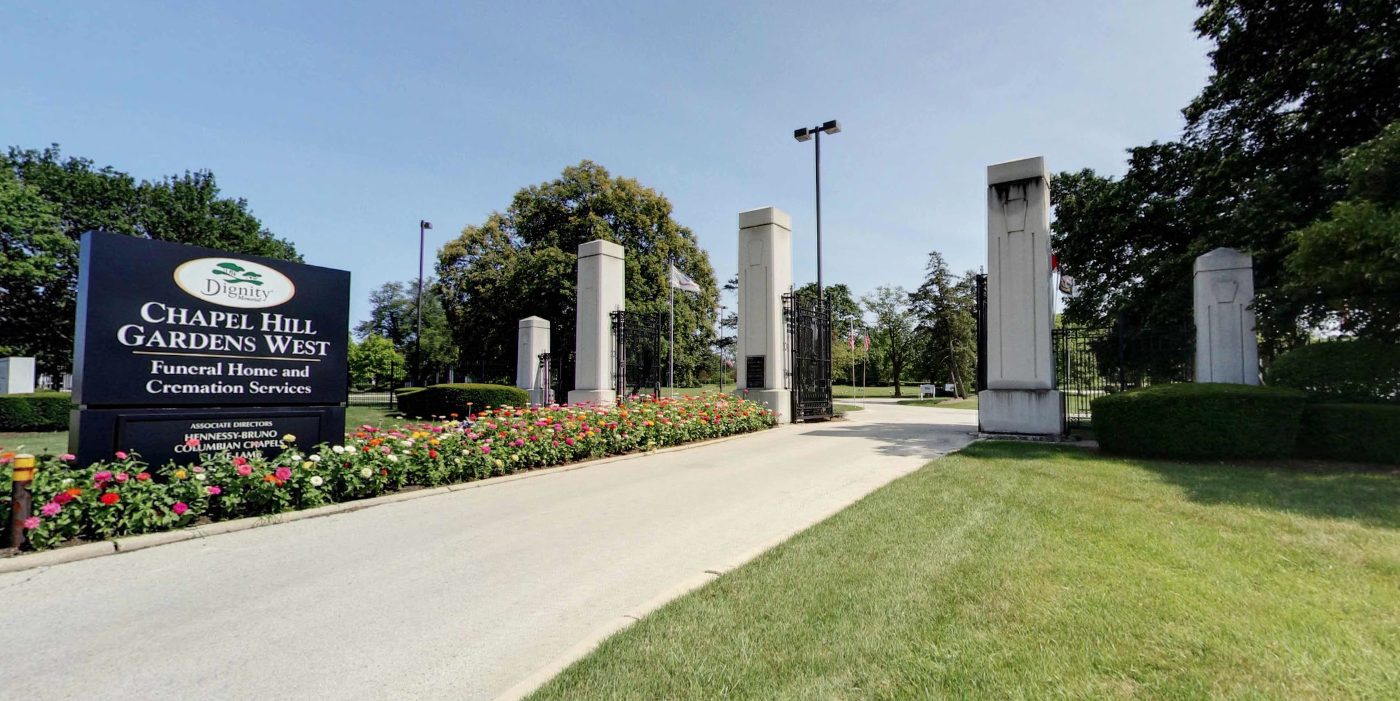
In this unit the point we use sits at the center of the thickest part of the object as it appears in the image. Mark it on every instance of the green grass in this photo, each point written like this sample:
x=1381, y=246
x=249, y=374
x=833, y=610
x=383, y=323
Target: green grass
x=1028, y=571
x=943, y=403
x=46, y=443
x=848, y=392
x=847, y=407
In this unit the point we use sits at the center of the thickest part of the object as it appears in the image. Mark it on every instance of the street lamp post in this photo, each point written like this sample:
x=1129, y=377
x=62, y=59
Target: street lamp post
x=804, y=134
x=418, y=335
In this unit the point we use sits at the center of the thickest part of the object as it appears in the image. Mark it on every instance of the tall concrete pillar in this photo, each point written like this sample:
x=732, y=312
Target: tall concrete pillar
x=1020, y=395
x=533, y=340
x=1227, y=349
x=602, y=289
x=765, y=275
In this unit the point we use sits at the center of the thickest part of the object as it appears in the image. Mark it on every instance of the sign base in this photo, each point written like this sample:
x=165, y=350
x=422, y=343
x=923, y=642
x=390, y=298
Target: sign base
x=97, y=434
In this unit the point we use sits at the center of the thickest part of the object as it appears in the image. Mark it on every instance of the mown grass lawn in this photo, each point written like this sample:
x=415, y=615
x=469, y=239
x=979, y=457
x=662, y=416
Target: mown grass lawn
x=943, y=403
x=1025, y=571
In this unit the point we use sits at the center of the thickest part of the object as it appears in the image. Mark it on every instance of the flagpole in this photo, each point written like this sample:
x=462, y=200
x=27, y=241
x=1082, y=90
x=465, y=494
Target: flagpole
x=671, y=291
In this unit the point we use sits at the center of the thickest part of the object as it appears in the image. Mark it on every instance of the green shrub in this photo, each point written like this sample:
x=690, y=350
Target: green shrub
x=1199, y=421
x=41, y=411
x=445, y=400
x=1347, y=371
x=1359, y=432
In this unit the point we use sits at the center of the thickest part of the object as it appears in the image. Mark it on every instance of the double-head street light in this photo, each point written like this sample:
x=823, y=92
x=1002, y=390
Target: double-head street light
x=805, y=134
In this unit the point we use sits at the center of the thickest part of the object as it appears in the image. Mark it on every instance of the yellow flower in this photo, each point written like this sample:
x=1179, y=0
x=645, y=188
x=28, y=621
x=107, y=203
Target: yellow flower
x=180, y=474
x=288, y=438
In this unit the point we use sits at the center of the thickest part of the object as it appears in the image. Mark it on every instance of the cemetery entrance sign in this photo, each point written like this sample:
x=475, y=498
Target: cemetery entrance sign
x=182, y=351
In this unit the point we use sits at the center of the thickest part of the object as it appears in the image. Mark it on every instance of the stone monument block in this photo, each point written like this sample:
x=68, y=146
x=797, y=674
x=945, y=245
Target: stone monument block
x=16, y=375
x=1227, y=349
x=765, y=275
x=1020, y=395
x=602, y=289
x=533, y=341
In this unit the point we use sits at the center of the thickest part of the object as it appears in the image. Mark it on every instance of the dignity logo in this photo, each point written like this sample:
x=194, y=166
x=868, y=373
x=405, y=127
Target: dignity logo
x=234, y=283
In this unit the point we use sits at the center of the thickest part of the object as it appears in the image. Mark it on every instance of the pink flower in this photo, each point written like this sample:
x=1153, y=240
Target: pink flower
x=244, y=470
x=214, y=490
x=31, y=523
x=51, y=509
x=198, y=468
x=103, y=476
x=486, y=449
x=554, y=443
x=240, y=461
x=283, y=473
x=122, y=477
x=192, y=443
x=121, y=455
x=67, y=457
x=180, y=508
x=568, y=441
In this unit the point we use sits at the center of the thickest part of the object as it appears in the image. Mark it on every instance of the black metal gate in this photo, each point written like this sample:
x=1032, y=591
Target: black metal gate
x=979, y=292
x=1091, y=362
x=809, y=342
x=640, y=355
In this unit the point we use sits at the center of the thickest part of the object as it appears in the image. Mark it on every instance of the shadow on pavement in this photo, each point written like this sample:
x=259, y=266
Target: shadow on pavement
x=921, y=440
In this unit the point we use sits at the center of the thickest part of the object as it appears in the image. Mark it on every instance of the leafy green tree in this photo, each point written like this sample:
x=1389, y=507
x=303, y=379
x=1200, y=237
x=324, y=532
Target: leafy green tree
x=39, y=273
x=893, y=339
x=523, y=262
x=394, y=317
x=376, y=363
x=1348, y=265
x=845, y=312
x=946, y=325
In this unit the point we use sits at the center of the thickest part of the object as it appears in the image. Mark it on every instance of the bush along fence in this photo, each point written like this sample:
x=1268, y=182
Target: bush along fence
x=125, y=496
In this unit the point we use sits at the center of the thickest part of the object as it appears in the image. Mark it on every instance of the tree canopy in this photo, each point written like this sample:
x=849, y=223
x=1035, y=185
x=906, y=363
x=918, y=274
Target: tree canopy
x=394, y=318
x=48, y=201
x=523, y=262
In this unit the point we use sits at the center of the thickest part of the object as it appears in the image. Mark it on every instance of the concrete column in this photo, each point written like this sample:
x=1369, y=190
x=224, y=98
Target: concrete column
x=602, y=288
x=1020, y=396
x=1227, y=349
x=765, y=275
x=533, y=340
x=17, y=376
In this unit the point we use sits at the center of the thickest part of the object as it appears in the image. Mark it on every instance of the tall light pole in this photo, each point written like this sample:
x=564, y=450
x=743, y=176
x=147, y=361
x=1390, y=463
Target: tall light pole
x=804, y=134
x=418, y=335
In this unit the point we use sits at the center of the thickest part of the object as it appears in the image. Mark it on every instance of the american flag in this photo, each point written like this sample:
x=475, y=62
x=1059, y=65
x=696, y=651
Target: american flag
x=851, y=340
x=867, y=343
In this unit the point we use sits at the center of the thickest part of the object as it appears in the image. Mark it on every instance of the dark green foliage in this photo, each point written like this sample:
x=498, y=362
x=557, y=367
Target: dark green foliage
x=1199, y=421
x=446, y=400
x=41, y=411
x=1340, y=371
x=1360, y=432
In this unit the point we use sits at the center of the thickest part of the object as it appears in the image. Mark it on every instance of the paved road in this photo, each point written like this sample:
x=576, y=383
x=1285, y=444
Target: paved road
x=454, y=596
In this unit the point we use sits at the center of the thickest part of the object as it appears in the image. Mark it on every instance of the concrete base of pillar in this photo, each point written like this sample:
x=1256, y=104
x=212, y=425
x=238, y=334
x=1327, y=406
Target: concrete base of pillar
x=1034, y=412
x=539, y=397
x=596, y=397
x=779, y=400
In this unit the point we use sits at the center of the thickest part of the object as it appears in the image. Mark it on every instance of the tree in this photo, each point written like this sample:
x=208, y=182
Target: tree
x=394, y=317
x=946, y=325
x=892, y=335
x=845, y=312
x=1348, y=265
x=523, y=262
x=39, y=273
x=374, y=362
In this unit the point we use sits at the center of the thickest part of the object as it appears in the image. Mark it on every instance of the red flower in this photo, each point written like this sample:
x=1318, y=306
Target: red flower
x=111, y=498
x=240, y=461
x=62, y=498
x=142, y=476
x=384, y=472
x=432, y=454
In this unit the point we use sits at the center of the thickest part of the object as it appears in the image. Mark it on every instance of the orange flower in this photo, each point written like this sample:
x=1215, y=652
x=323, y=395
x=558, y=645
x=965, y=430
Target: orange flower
x=269, y=478
x=376, y=442
x=74, y=492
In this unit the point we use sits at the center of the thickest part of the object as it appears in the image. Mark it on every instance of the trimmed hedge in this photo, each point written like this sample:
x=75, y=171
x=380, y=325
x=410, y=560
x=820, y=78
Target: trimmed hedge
x=445, y=400
x=41, y=411
x=1199, y=421
x=1349, y=372
x=1359, y=432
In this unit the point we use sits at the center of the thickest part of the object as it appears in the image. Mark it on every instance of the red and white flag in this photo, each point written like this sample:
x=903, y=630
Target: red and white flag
x=851, y=340
x=867, y=343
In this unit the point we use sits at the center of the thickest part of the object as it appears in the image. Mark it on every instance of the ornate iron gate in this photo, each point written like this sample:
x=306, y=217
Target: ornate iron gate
x=809, y=342
x=980, y=306
x=1091, y=362
x=638, y=338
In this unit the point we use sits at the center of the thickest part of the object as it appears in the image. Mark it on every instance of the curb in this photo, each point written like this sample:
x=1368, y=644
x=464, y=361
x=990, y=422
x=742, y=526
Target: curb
x=87, y=551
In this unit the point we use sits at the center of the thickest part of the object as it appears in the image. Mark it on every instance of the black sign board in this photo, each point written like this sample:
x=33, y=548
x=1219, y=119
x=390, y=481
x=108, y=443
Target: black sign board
x=165, y=326
x=753, y=371
x=160, y=436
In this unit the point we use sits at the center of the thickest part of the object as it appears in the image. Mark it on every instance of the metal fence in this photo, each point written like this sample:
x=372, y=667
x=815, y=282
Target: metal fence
x=1091, y=362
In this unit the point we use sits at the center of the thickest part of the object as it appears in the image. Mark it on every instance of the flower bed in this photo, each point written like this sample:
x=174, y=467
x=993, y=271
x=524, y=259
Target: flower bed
x=127, y=497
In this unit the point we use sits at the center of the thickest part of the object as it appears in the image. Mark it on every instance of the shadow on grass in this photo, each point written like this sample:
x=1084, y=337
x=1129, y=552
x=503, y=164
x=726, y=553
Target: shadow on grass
x=1368, y=495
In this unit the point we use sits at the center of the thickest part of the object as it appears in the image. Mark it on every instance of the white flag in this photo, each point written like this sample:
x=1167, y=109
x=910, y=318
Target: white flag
x=682, y=281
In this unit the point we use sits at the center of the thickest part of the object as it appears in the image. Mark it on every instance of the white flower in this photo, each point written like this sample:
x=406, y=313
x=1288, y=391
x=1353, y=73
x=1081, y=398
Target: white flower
x=393, y=458
x=316, y=480
x=69, y=480
x=408, y=441
x=406, y=452
x=295, y=457
x=338, y=449
x=366, y=472
x=200, y=477
x=315, y=458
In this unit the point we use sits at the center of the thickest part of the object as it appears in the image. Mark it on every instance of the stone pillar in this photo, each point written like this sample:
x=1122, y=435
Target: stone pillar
x=17, y=376
x=1223, y=289
x=533, y=340
x=602, y=289
x=1020, y=395
x=765, y=275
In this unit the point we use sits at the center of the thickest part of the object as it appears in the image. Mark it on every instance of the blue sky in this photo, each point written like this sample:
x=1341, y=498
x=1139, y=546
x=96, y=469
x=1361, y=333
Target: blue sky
x=344, y=123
